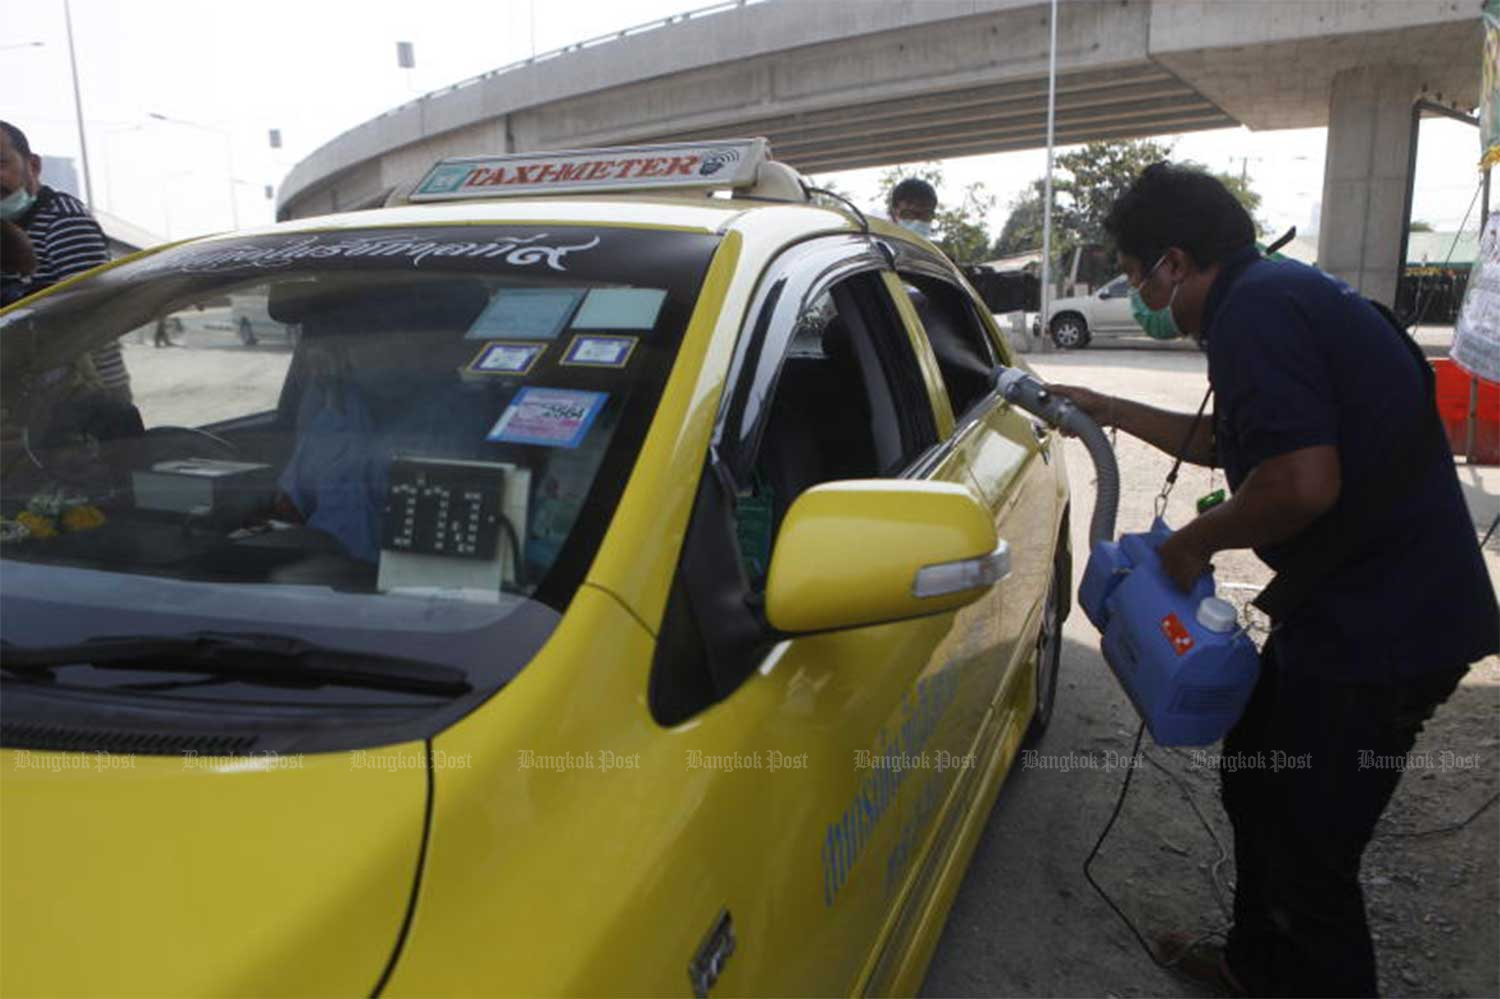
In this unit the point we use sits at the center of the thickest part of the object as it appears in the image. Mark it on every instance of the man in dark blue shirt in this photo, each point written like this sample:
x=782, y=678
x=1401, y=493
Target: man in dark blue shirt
x=1317, y=395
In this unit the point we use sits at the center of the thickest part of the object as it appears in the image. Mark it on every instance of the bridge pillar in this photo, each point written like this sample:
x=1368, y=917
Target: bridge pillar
x=1365, y=175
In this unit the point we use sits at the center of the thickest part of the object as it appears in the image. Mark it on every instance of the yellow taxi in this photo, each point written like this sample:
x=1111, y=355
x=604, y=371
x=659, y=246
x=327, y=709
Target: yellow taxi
x=616, y=575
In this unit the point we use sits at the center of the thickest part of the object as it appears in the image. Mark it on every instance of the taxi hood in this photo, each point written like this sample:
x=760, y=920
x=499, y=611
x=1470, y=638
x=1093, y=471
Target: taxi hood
x=193, y=875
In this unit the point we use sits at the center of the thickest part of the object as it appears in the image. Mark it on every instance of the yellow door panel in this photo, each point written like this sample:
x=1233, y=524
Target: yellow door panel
x=585, y=847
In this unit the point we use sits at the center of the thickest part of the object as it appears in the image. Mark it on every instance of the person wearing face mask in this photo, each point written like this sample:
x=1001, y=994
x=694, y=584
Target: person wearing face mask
x=913, y=204
x=1323, y=423
x=65, y=240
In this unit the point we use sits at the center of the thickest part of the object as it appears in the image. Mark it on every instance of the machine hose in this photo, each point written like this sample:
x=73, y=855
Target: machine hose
x=1022, y=389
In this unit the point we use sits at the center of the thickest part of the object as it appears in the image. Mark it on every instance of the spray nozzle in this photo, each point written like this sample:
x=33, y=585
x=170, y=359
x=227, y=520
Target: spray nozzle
x=1024, y=390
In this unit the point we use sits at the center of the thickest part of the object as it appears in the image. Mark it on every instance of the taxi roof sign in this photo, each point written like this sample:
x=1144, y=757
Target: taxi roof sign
x=732, y=163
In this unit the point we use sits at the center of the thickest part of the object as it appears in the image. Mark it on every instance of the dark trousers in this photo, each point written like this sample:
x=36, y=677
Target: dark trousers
x=1307, y=773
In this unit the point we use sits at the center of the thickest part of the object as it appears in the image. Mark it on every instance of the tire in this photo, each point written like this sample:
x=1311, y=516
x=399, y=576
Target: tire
x=1048, y=655
x=247, y=332
x=1070, y=331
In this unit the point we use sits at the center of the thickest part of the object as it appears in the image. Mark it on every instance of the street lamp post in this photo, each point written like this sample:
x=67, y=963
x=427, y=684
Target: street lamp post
x=83, y=146
x=234, y=209
x=1046, y=302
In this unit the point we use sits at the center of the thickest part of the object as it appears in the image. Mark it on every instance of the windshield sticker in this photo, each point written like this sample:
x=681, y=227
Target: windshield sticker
x=506, y=358
x=620, y=309
x=600, y=351
x=526, y=314
x=548, y=416
x=518, y=251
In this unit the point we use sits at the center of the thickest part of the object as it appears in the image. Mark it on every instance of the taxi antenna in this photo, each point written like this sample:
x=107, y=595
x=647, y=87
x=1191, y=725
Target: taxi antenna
x=864, y=223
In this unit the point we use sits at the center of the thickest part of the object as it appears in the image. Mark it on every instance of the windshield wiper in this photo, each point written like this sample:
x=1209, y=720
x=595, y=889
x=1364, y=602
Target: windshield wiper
x=250, y=657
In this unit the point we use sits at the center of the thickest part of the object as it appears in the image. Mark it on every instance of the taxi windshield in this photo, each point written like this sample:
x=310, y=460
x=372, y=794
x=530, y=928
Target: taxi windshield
x=371, y=440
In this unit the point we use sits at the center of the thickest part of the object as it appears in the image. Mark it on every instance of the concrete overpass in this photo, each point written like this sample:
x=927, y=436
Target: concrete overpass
x=839, y=84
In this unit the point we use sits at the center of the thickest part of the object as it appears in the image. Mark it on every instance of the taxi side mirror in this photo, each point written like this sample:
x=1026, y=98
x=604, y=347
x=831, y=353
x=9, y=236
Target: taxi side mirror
x=863, y=552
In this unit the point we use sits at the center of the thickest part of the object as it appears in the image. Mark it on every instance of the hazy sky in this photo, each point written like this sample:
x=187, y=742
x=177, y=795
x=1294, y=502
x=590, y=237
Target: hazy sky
x=313, y=68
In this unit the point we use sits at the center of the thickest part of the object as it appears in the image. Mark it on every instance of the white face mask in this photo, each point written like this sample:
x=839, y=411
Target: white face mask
x=15, y=204
x=923, y=229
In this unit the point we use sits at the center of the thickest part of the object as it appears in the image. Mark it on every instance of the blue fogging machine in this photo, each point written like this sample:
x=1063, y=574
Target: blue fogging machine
x=1182, y=658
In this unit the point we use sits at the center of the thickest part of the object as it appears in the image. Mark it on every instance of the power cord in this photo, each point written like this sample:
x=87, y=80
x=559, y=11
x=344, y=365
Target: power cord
x=1219, y=889
x=1214, y=876
x=1156, y=959
x=1440, y=830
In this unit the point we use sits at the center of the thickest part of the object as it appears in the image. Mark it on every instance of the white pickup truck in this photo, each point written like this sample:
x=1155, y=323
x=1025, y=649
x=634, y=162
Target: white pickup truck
x=1073, y=322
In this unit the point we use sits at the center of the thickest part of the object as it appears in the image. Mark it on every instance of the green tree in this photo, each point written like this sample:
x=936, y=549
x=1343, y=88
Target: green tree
x=1085, y=184
x=1418, y=225
x=1023, y=226
x=961, y=228
x=1092, y=178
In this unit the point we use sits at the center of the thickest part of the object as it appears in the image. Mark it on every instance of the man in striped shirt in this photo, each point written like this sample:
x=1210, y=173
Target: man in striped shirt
x=65, y=239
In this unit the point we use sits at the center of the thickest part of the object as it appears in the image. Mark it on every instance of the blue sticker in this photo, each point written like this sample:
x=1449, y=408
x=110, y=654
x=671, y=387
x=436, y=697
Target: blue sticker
x=506, y=357
x=548, y=416
x=600, y=351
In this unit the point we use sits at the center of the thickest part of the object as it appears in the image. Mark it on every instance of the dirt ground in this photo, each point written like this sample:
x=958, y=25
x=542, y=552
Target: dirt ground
x=1025, y=921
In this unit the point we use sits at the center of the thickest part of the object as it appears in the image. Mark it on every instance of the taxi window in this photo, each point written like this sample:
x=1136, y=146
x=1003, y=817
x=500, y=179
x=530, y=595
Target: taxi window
x=966, y=357
x=379, y=423
x=848, y=401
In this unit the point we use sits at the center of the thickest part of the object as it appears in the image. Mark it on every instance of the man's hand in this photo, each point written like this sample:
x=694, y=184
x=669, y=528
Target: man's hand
x=16, y=249
x=1279, y=499
x=1182, y=560
x=1095, y=405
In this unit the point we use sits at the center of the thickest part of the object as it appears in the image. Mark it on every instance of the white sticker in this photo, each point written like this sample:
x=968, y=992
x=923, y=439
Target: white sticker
x=525, y=314
x=600, y=351
x=505, y=357
x=620, y=309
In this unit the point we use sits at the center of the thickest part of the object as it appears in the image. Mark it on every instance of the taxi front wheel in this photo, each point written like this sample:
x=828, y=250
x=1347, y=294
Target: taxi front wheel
x=1048, y=655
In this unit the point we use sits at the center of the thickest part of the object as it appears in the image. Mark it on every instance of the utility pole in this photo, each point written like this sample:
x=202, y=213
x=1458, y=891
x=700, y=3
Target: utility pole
x=83, y=145
x=1047, y=197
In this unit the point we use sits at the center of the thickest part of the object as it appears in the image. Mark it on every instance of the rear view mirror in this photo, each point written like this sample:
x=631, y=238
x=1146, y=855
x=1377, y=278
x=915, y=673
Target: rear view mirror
x=863, y=552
